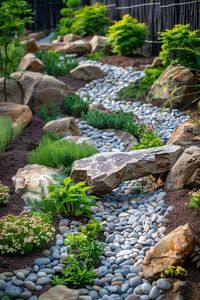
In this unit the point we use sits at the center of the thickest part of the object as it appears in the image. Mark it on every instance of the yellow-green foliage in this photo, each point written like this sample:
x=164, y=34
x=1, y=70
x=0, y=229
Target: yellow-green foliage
x=194, y=200
x=126, y=35
x=175, y=272
x=4, y=194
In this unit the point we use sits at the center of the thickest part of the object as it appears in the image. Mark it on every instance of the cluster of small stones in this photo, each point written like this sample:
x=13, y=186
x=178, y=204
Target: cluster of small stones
x=133, y=223
x=104, y=141
x=105, y=90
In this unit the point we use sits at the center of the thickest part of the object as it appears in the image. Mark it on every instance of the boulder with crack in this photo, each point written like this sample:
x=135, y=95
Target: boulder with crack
x=105, y=171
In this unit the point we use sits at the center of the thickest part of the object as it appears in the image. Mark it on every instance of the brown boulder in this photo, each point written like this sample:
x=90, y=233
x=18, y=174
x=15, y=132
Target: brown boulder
x=71, y=37
x=34, y=89
x=87, y=72
x=30, y=46
x=21, y=115
x=176, y=88
x=99, y=43
x=169, y=251
x=53, y=46
x=60, y=292
x=186, y=135
x=31, y=63
x=105, y=171
x=80, y=47
x=63, y=127
x=157, y=62
x=185, y=171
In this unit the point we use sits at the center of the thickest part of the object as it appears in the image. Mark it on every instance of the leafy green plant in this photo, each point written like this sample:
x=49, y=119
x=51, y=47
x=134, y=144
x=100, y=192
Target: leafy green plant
x=194, y=200
x=74, y=274
x=117, y=120
x=4, y=193
x=25, y=232
x=126, y=35
x=74, y=105
x=13, y=17
x=7, y=132
x=49, y=114
x=174, y=272
x=92, y=229
x=90, y=20
x=68, y=198
x=84, y=251
x=57, y=64
x=98, y=55
x=176, y=45
x=149, y=139
x=139, y=90
x=57, y=153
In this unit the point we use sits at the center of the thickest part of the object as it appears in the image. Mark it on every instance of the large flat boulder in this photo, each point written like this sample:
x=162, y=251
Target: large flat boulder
x=20, y=115
x=34, y=89
x=176, y=87
x=171, y=250
x=186, y=171
x=105, y=171
x=60, y=292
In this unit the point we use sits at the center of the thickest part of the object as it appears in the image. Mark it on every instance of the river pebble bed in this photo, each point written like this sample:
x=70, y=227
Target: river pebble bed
x=134, y=221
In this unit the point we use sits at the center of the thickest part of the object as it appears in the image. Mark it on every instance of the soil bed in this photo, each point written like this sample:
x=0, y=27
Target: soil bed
x=73, y=83
x=181, y=215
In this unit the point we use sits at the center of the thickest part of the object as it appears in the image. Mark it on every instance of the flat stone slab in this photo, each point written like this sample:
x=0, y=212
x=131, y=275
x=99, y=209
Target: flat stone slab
x=105, y=171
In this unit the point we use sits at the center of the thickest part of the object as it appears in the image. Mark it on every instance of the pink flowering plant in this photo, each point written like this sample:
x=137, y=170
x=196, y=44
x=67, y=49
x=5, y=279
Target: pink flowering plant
x=25, y=232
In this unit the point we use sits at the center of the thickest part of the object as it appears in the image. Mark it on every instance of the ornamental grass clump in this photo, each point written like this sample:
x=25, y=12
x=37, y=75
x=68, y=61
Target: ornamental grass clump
x=23, y=233
x=59, y=153
x=126, y=35
x=4, y=194
x=7, y=132
x=74, y=105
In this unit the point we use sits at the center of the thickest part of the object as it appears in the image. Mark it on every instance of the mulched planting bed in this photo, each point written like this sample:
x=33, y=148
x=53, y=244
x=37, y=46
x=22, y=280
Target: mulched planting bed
x=181, y=215
x=138, y=62
x=73, y=83
x=10, y=162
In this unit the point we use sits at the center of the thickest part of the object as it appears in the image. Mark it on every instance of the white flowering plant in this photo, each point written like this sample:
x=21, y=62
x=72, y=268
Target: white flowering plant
x=25, y=232
x=4, y=194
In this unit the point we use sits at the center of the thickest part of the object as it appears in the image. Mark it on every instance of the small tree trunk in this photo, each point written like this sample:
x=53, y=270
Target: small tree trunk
x=5, y=73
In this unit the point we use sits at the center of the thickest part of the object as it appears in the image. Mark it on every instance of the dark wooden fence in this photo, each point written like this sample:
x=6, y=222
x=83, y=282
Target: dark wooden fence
x=157, y=14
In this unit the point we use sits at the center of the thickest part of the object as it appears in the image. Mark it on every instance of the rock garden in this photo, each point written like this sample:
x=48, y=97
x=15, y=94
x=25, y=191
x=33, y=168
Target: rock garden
x=99, y=159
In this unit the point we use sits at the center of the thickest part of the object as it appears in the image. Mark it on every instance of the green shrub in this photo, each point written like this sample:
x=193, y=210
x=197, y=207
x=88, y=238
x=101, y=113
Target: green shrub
x=55, y=153
x=57, y=64
x=92, y=229
x=49, y=114
x=139, y=90
x=7, y=132
x=194, y=200
x=25, y=232
x=149, y=139
x=91, y=20
x=117, y=120
x=74, y=105
x=176, y=46
x=126, y=35
x=174, y=272
x=4, y=194
x=68, y=198
x=84, y=251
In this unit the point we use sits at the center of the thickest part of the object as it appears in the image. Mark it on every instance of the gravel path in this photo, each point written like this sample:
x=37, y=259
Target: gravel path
x=134, y=221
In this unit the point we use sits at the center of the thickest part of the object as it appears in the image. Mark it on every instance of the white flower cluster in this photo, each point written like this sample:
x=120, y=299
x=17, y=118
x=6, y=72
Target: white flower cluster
x=23, y=233
x=4, y=194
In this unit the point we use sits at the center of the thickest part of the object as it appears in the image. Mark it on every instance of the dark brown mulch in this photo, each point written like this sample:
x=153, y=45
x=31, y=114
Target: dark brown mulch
x=10, y=162
x=181, y=215
x=73, y=83
x=138, y=62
